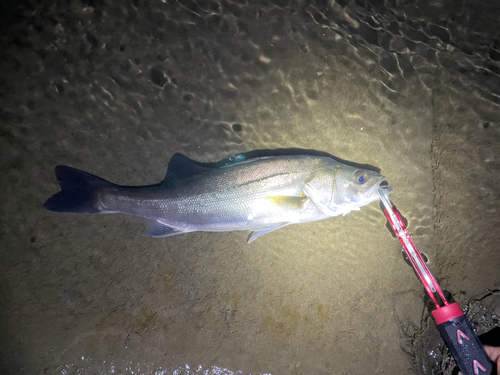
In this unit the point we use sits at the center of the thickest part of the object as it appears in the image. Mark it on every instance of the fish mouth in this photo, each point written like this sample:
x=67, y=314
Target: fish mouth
x=373, y=193
x=384, y=185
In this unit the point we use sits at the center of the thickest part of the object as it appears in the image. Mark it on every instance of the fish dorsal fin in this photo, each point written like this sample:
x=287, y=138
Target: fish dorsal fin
x=181, y=167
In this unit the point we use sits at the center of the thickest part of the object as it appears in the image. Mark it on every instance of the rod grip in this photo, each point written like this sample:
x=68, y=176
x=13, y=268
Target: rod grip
x=462, y=341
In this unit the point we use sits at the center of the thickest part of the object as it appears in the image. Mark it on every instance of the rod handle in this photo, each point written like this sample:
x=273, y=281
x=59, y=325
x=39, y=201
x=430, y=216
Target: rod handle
x=462, y=341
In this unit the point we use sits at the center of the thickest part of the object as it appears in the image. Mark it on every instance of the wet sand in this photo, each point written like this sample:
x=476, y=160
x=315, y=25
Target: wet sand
x=117, y=89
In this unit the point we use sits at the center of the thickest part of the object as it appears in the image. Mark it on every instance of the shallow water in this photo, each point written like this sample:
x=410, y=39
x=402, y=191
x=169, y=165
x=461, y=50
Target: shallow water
x=117, y=88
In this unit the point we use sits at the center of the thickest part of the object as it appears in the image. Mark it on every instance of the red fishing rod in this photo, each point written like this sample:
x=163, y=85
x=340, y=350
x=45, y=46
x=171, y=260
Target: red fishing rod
x=451, y=321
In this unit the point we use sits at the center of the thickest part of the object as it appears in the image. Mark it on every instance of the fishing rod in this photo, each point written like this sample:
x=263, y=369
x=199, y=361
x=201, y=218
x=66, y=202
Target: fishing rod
x=450, y=319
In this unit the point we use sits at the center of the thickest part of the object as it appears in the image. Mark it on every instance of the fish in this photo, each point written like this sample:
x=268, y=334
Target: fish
x=259, y=194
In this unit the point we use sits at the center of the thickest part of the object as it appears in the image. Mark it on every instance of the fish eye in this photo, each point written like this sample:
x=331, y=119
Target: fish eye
x=360, y=177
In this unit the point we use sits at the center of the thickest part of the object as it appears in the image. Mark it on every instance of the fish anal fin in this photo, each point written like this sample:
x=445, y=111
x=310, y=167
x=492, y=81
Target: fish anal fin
x=157, y=229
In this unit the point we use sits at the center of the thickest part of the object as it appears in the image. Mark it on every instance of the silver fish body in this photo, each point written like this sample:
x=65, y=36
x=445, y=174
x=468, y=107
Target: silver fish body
x=259, y=194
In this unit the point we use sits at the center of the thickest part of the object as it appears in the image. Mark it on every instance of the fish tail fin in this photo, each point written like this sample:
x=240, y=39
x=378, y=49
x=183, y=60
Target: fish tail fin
x=79, y=192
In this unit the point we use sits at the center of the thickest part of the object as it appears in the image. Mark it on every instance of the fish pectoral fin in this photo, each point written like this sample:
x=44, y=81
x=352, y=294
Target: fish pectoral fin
x=260, y=229
x=289, y=201
x=157, y=229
